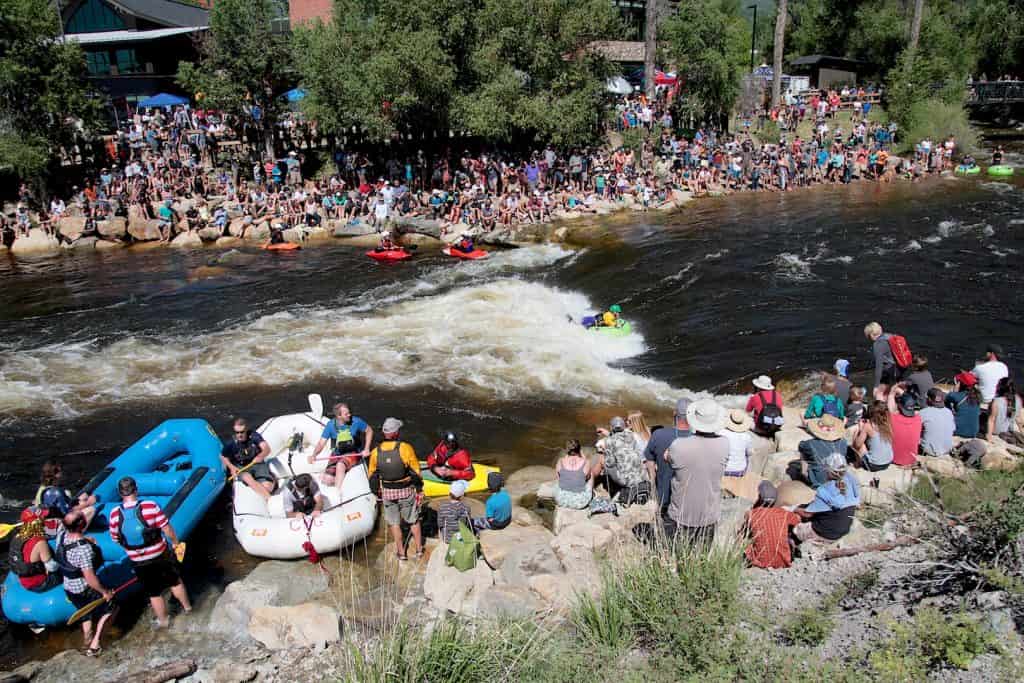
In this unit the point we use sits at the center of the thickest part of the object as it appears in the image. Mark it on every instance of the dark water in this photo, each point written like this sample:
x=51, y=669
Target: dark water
x=97, y=348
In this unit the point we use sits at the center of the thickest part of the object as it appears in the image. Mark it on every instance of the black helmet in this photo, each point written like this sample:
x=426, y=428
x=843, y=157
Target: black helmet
x=451, y=438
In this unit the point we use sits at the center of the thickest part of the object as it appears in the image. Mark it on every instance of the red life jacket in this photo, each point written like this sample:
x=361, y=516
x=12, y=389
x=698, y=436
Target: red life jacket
x=459, y=461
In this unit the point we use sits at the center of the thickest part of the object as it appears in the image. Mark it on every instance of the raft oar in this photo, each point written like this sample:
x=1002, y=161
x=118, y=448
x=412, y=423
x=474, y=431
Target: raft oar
x=96, y=603
x=6, y=529
x=240, y=472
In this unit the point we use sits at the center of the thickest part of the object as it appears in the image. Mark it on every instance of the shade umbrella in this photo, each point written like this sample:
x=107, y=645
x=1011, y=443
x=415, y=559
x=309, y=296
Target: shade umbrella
x=162, y=100
x=295, y=95
x=619, y=86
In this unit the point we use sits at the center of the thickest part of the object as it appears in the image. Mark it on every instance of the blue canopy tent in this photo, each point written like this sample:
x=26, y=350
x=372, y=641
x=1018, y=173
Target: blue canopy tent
x=162, y=100
x=295, y=95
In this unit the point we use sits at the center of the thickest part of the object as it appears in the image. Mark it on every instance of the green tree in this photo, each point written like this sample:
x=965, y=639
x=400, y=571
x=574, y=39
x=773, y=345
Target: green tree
x=242, y=64
x=532, y=76
x=706, y=40
x=44, y=97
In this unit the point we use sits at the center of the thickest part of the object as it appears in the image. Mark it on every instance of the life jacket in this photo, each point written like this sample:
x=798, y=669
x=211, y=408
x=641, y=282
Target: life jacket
x=142, y=534
x=770, y=419
x=393, y=471
x=19, y=564
x=345, y=441
x=304, y=503
x=70, y=571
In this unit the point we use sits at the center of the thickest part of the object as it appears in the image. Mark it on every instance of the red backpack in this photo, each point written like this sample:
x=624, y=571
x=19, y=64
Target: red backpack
x=900, y=351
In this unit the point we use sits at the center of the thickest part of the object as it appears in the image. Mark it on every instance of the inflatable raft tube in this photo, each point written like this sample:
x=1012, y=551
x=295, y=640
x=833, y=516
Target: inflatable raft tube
x=1000, y=170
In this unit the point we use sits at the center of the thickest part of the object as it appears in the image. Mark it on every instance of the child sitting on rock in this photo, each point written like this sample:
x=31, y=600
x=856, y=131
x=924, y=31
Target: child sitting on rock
x=453, y=511
x=498, y=513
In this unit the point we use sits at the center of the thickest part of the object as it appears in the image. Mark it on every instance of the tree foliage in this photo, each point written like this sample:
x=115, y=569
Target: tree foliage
x=706, y=40
x=504, y=70
x=242, y=61
x=44, y=97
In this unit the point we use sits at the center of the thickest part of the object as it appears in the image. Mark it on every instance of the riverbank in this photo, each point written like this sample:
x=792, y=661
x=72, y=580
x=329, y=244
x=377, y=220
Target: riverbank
x=558, y=583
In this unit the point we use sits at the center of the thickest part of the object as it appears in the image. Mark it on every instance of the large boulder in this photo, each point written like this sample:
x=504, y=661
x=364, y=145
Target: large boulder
x=517, y=553
x=71, y=226
x=340, y=228
x=144, y=229
x=524, y=482
x=524, y=517
x=36, y=242
x=448, y=589
x=187, y=240
x=306, y=625
x=258, y=233
x=944, y=466
x=209, y=234
x=271, y=583
x=294, y=235
x=509, y=601
x=229, y=241
x=114, y=227
x=999, y=460
x=789, y=438
x=82, y=243
x=238, y=227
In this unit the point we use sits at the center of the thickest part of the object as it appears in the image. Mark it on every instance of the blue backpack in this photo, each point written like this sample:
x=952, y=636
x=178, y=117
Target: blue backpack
x=830, y=406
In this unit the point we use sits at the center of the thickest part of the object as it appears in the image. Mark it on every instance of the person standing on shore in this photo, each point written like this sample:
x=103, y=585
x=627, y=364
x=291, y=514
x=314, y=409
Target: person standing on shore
x=698, y=465
x=394, y=473
x=142, y=529
x=78, y=558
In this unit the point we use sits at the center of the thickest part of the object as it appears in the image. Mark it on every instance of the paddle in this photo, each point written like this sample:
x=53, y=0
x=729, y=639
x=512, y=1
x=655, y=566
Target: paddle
x=240, y=472
x=5, y=529
x=96, y=603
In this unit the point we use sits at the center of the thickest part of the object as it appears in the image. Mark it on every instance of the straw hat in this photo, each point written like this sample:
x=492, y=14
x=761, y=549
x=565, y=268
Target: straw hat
x=706, y=416
x=827, y=428
x=764, y=383
x=737, y=421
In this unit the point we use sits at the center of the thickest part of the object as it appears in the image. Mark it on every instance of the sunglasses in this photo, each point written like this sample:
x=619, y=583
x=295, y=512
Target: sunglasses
x=241, y=433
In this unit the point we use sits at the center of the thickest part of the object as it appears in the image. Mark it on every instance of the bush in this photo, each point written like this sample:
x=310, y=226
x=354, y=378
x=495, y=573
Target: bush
x=770, y=132
x=604, y=621
x=633, y=138
x=809, y=626
x=930, y=642
x=936, y=119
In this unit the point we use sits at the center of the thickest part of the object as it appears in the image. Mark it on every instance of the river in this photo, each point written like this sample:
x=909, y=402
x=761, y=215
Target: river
x=97, y=348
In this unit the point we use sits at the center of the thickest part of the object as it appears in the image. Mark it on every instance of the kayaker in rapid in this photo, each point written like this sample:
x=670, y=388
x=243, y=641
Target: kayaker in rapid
x=29, y=557
x=350, y=438
x=140, y=527
x=395, y=477
x=449, y=461
x=465, y=244
x=302, y=497
x=247, y=453
x=79, y=558
x=57, y=501
x=386, y=243
x=610, y=318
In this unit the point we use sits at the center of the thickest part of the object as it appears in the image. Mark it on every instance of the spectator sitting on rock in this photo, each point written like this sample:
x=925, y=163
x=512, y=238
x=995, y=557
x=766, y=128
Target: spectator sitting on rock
x=829, y=516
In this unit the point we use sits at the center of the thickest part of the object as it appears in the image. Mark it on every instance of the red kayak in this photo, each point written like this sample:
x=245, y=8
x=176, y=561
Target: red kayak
x=282, y=246
x=389, y=254
x=470, y=255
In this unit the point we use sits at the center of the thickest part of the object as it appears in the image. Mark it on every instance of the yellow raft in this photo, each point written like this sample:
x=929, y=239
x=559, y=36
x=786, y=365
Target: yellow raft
x=435, y=487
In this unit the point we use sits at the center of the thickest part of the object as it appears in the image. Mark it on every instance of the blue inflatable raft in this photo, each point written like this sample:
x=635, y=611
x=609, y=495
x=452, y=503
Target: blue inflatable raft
x=176, y=465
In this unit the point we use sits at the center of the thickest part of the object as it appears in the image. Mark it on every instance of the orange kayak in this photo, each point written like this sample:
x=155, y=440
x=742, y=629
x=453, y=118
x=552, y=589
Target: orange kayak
x=389, y=254
x=282, y=246
x=470, y=255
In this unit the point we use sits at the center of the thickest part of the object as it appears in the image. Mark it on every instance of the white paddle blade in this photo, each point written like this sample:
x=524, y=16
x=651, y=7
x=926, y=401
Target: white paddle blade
x=316, y=405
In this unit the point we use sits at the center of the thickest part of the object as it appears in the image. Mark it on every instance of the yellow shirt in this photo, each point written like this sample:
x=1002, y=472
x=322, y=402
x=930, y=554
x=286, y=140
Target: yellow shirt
x=405, y=450
x=610, y=319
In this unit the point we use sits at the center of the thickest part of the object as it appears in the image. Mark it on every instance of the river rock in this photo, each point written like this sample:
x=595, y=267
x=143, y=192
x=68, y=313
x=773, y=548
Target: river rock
x=82, y=243
x=794, y=493
x=235, y=258
x=271, y=583
x=114, y=227
x=782, y=467
x=944, y=466
x=349, y=229
x=36, y=242
x=509, y=601
x=511, y=542
x=546, y=492
x=450, y=590
x=525, y=481
x=209, y=234
x=305, y=625
x=238, y=227
x=71, y=226
x=258, y=233
x=523, y=517
x=144, y=229
x=789, y=438
x=187, y=240
x=294, y=235
x=999, y=460
x=229, y=241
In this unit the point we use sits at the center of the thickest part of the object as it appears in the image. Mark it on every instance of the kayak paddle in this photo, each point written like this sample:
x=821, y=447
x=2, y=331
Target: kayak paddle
x=85, y=611
x=6, y=529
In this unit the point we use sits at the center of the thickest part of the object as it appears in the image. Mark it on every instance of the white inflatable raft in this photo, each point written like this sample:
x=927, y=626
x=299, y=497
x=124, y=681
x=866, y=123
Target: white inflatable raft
x=263, y=529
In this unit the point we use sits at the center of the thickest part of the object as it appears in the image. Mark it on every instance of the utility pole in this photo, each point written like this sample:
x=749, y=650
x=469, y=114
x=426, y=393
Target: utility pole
x=650, y=46
x=780, y=44
x=753, y=37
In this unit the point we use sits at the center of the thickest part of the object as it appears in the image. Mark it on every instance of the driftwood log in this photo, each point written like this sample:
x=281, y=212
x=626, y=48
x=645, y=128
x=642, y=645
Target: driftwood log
x=163, y=673
x=836, y=553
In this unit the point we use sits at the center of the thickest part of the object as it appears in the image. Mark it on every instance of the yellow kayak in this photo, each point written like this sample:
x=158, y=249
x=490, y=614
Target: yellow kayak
x=435, y=487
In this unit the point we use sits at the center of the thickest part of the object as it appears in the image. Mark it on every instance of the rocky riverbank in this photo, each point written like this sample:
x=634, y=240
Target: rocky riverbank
x=293, y=621
x=120, y=232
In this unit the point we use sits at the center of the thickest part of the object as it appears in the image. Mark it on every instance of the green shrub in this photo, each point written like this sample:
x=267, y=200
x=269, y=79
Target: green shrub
x=963, y=495
x=604, y=621
x=930, y=642
x=770, y=132
x=633, y=138
x=936, y=119
x=809, y=626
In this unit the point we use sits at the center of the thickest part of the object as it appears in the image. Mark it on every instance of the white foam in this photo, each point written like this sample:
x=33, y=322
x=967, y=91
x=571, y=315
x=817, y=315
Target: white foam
x=716, y=255
x=506, y=338
x=912, y=245
x=793, y=267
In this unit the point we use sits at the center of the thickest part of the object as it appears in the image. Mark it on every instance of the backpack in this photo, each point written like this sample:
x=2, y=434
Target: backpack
x=830, y=406
x=770, y=419
x=900, y=351
x=462, y=549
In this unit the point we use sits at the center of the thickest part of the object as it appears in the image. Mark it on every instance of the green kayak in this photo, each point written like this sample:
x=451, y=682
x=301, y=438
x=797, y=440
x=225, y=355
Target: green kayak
x=622, y=330
x=1000, y=170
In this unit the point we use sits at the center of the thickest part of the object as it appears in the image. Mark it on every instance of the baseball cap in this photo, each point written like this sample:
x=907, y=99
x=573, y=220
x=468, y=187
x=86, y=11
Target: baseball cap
x=966, y=379
x=459, y=488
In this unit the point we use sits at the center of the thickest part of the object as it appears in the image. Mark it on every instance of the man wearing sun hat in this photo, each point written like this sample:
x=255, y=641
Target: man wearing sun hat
x=765, y=394
x=827, y=434
x=698, y=464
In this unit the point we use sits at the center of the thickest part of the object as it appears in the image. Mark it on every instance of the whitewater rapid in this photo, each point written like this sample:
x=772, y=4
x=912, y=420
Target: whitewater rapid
x=476, y=329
